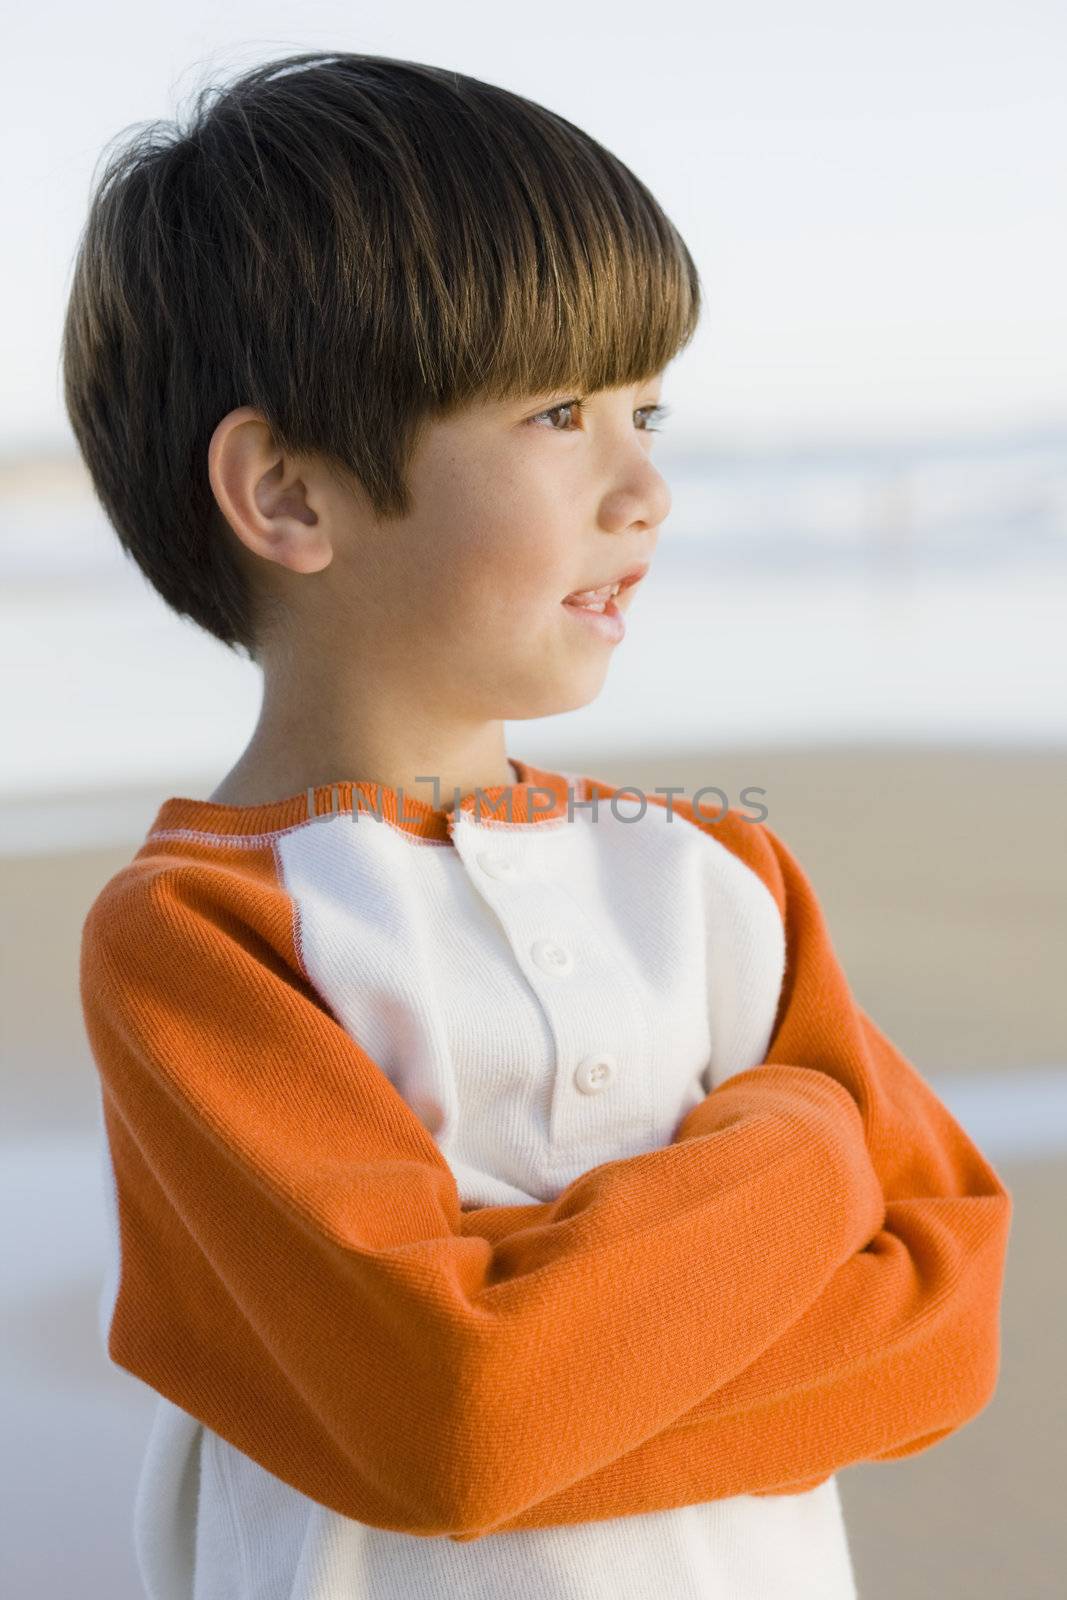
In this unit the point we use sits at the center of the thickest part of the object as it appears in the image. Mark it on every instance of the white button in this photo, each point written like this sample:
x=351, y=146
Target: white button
x=552, y=957
x=497, y=866
x=595, y=1073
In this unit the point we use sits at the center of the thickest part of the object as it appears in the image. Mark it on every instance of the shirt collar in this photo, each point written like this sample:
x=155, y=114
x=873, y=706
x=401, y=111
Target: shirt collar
x=538, y=796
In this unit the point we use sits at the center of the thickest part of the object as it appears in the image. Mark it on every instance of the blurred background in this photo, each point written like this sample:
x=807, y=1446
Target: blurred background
x=859, y=604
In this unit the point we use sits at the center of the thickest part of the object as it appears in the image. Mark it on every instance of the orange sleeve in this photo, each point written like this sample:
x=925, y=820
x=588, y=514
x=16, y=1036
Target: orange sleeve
x=297, y=1273
x=902, y=1347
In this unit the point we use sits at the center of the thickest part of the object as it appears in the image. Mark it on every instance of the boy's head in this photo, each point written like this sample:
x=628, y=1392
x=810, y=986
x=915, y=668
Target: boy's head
x=309, y=345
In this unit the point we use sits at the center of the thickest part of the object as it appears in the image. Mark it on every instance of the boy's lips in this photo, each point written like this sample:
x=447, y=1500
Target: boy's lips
x=597, y=607
x=625, y=580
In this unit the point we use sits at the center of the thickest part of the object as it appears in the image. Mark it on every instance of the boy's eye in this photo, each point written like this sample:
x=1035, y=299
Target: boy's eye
x=655, y=413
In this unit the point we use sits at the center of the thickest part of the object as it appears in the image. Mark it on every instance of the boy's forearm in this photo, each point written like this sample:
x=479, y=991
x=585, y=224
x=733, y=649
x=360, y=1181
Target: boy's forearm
x=900, y=1350
x=885, y=1364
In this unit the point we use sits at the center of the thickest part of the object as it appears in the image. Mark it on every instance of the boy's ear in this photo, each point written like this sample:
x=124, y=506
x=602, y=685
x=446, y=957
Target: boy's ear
x=263, y=494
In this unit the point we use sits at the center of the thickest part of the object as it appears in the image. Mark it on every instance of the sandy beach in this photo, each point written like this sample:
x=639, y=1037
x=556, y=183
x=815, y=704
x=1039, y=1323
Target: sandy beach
x=943, y=876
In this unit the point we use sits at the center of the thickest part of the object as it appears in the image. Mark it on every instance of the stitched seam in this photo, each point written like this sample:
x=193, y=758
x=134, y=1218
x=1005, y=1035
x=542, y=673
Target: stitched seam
x=295, y=923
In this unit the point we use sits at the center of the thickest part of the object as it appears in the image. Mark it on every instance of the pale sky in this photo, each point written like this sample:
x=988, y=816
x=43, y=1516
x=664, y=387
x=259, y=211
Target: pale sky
x=875, y=196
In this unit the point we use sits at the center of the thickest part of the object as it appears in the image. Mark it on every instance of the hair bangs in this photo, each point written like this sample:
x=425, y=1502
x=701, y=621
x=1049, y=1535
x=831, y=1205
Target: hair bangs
x=560, y=270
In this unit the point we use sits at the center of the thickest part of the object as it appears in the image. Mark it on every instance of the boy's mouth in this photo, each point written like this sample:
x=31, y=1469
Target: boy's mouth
x=597, y=599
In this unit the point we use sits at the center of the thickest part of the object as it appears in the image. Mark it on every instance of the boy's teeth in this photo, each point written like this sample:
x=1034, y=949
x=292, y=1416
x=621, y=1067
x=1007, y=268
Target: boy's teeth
x=594, y=597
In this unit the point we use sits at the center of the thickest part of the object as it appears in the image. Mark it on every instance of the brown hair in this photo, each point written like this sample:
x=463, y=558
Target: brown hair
x=353, y=245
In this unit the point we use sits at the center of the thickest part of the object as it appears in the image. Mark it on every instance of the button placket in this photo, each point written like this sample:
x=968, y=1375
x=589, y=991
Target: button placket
x=551, y=935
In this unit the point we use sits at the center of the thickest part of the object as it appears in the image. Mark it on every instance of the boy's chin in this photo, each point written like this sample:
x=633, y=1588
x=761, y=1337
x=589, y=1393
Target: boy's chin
x=570, y=693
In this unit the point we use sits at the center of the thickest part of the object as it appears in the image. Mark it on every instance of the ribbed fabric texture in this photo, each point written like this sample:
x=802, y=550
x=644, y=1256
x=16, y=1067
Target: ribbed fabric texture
x=514, y=1200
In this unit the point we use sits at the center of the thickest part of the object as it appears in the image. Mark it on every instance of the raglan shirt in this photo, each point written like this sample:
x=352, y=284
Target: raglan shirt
x=514, y=1199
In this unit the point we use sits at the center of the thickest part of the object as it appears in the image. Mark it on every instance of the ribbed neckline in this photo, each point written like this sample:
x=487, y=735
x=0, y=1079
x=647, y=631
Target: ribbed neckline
x=539, y=796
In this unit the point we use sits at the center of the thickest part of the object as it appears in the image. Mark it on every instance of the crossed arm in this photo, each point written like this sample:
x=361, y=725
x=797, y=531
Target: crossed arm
x=808, y=1275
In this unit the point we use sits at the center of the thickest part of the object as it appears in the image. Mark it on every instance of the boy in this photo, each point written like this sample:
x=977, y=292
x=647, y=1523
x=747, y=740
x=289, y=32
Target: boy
x=509, y=1196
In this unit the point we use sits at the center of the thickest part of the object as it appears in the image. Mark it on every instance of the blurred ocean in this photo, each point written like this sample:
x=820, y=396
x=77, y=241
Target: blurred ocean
x=903, y=590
